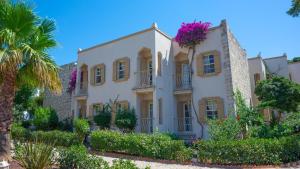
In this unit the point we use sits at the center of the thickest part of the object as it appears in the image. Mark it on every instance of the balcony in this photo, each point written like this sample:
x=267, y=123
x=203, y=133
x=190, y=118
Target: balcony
x=82, y=90
x=184, y=125
x=144, y=81
x=146, y=125
x=183, y=84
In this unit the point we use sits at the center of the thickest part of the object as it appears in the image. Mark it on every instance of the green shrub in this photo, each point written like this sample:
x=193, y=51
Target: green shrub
x=19, y=133
x=224, y=129
x=77, y=157
x=158, y=146
x=82, y=128
x=58, y=138
x=121, y=164
x=55, y=137
x=249, y=151
x=35, y=156
x=45, y=119
x=126, y=120
x=103, y=119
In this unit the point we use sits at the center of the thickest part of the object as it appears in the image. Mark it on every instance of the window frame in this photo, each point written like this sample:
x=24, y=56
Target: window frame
x=211, y=109
x=210, y=65
x=120, y=64
x=98, y=75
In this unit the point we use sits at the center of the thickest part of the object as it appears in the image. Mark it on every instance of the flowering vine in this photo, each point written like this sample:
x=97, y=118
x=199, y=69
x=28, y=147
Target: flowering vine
x=189, y=35
x=72, y=81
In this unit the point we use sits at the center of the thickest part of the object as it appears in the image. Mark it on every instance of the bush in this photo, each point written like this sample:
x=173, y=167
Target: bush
x=224, y=129
x=121, y=164
x=35, y=156
x=249, y=151
x=55, y=137
x=126, y=120
x=76, y=157
x=45, y=119
x=158, y=146
x=82, y=128
x=103, y=119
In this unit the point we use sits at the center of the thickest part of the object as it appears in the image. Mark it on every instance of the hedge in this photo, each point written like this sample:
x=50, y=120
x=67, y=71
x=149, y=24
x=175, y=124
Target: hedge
x=158, y=146
x=249, y=151
x=55, y=137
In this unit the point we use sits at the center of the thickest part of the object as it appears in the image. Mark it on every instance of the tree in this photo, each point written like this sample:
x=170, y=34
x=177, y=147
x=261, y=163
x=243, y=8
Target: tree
x=294, y=11
x=279, y=93
x=24, y=42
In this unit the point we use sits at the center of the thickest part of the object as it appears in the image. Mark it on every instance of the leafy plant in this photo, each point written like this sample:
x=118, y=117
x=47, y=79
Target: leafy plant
x=103, y=119
x=156, y=145
x=126, y=120
x=249, y=151
x=19, y=133
x=224, y=129
x=77, y=157
x=82, y=128
x=45, y=118
x=35, y=155
x=121, y=164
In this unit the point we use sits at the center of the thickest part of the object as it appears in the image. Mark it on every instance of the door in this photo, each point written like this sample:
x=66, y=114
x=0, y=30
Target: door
x=187, y=117
x=185, y=77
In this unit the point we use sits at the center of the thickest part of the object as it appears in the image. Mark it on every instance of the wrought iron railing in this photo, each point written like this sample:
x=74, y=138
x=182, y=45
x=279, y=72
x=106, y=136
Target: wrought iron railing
x=146, y=125
x=183, y=82
x=144, y=79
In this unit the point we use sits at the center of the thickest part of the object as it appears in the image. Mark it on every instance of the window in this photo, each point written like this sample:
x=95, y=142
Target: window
x=211, y=109
x=98, y=77
x=209, y=64
x=121, y=70
x=160, y=115
x=96, y=109
x=256, y=78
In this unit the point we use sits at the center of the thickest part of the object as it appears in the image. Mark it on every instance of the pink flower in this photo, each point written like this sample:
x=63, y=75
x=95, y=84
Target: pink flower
x=72, y=82
x=191, y=34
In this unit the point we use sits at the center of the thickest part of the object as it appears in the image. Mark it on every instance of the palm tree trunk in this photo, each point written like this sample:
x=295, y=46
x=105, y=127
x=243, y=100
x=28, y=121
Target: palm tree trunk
x=7, y=93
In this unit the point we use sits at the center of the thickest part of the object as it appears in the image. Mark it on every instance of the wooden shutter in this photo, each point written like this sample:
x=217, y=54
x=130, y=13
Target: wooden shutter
x=114, y=72
x=200, y=66
x=202, y=111
x=217, y=58
x=256, y=78
x=220, y=107
x=124, y=104
x=159, y=57
x=92, y=76
x=102, y=68
x=144, y=110
x=127, y=68
x=90, y=112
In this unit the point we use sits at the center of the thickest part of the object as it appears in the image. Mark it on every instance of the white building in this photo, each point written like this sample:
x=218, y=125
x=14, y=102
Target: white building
x=149, y=72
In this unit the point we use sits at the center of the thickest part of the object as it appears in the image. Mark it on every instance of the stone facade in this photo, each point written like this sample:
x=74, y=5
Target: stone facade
x=61, y=103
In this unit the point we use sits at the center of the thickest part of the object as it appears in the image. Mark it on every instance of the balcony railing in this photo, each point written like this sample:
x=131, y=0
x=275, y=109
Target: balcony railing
x=147, y=125
x=144, y=79
x=185, y=124
x=183, y=82
x=82, y=89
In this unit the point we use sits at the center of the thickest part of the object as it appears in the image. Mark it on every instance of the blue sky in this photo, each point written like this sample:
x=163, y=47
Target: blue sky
x=259, y=25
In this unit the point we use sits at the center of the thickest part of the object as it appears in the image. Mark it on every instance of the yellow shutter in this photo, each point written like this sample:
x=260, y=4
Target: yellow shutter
x=92, y=75
x=114, y=72
x=124, y=104
x=218, y=67
x=180, y=116
x=159, y=57
x=102, y=73
x=200, y=66
x=202, y=111
x=220, y=107
x=90, y=113
x=256, y=78
x=127, y=68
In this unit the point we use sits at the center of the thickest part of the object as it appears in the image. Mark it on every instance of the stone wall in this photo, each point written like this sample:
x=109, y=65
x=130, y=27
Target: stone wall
x=61, y=103
x=236, y=66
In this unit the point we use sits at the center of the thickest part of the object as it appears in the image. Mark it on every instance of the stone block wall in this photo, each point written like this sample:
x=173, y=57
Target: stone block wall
x=61, y=103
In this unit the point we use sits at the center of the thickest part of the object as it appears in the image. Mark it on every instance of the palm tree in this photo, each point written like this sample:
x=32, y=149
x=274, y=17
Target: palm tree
x=24, y=41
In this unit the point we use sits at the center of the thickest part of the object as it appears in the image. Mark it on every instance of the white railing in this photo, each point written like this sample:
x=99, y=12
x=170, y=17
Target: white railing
x=146, y=125
x=144, y=79
x=185, y=124
x=182, y=82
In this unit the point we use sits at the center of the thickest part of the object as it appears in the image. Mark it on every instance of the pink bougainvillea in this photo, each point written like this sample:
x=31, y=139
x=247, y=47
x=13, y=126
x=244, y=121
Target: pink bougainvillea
x=72, y=81
x=191, y=34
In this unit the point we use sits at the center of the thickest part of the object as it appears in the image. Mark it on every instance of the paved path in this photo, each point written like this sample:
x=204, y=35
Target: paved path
x=156, y=165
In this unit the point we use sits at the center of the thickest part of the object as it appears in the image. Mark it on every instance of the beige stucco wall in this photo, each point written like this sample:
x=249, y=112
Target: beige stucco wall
x=294, y=70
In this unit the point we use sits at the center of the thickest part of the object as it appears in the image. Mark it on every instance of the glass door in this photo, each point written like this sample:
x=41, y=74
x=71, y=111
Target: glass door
x=185, y=77
x=150, y=113
x=187, y=117
x=150, y=72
